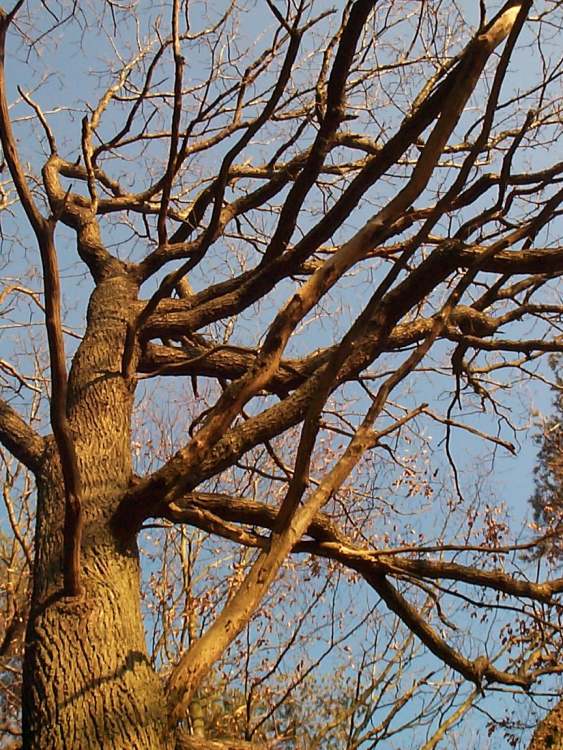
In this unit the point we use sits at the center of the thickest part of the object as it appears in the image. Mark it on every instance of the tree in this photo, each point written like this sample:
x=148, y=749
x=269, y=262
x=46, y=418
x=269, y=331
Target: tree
x=305, y=222
x=547, y=500
x=547, y=504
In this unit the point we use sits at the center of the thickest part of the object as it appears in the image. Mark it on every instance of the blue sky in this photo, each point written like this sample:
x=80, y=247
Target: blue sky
x=76, y=54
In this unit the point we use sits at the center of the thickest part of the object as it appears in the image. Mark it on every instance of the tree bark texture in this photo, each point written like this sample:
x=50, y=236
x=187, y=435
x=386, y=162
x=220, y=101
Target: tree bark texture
x=88, y=682
x=549, y=732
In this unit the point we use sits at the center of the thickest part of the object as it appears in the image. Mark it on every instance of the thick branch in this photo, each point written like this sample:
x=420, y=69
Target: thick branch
x=19, y=438
x=222, y=361
x=175, y=317
x=79, y=213
x=534, y=261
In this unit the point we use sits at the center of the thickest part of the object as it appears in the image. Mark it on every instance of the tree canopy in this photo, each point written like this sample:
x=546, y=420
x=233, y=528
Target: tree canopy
x=298, y=266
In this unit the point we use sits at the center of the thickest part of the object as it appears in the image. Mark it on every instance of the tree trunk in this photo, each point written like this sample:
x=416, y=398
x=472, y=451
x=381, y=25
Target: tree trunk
x=549, y=733
x=88, y=682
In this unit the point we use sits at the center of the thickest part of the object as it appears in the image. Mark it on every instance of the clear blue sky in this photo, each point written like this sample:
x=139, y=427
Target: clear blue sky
x=512, y=482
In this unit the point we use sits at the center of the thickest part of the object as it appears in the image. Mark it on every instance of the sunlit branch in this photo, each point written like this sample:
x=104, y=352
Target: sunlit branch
x=44, y=232
x=19, y=438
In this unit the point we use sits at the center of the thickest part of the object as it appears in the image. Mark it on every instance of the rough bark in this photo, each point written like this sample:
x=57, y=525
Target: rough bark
x=87, y=680
x=549, y=732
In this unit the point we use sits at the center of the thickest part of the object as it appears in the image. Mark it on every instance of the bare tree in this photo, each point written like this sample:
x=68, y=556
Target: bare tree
x=316, y=217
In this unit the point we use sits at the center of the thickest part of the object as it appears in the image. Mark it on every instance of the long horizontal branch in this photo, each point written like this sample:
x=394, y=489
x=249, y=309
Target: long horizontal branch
x=330, y=543
x=175, y=317
x=533, y=261
x=199, y=356
x=222, y=361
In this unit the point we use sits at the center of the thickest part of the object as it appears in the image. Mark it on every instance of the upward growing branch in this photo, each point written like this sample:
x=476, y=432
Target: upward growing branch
x=44, y=233
x=293, y=521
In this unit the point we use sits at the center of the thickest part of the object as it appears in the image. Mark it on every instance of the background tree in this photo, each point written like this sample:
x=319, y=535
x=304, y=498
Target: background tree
x=324, y=221
x=547, y=500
